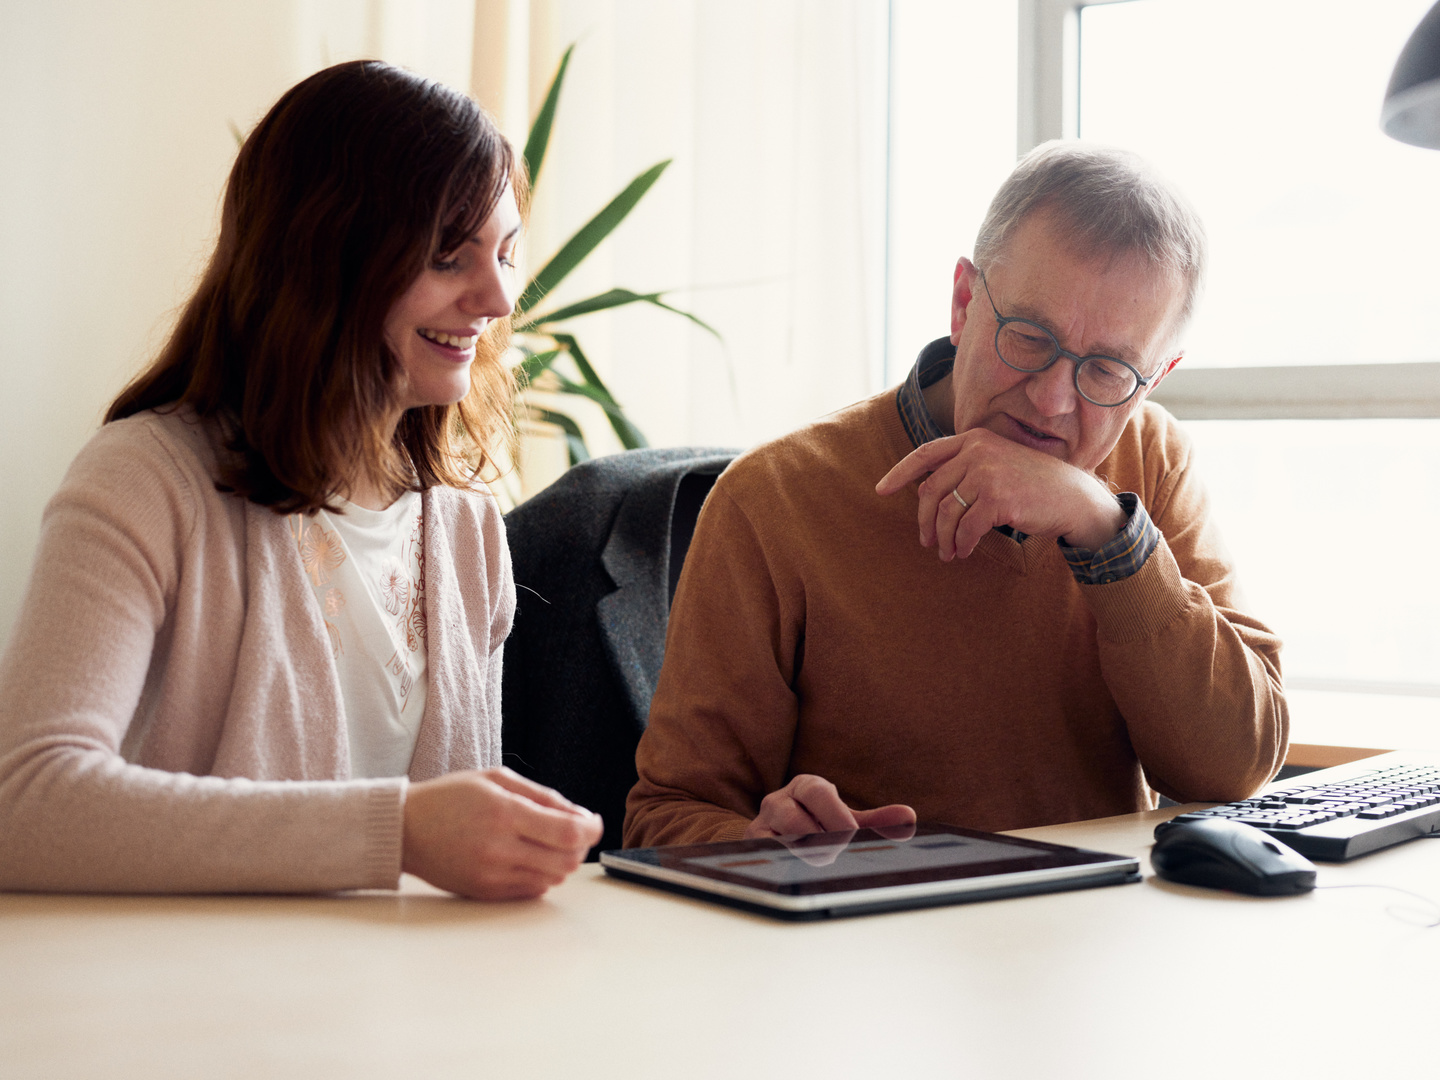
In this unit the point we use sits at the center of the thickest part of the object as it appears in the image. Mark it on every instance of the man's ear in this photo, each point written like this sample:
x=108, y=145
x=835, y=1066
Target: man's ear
x=1168, y=367
x=960, y=294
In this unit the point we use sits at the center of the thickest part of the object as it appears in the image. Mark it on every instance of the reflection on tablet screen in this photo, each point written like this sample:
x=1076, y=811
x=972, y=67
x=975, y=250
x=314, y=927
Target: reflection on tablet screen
x=869, y=857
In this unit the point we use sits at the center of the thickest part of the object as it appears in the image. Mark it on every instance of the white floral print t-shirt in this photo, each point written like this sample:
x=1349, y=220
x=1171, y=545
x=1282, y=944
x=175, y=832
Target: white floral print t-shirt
x=367, y=568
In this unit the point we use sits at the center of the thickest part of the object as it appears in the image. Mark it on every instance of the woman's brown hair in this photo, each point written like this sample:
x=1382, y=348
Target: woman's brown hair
x=359, y=177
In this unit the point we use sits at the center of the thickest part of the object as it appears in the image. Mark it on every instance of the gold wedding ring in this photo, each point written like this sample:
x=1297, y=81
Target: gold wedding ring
x=960, y=499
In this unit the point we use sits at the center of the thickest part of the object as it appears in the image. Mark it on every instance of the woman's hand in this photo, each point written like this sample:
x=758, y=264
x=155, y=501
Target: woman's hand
x=492, y=835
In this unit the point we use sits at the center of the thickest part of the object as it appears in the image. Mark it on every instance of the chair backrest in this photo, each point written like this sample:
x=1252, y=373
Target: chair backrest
x=597, y=556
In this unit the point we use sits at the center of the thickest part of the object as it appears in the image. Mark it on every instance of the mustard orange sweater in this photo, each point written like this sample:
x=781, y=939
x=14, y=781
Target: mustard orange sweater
x=811, y=633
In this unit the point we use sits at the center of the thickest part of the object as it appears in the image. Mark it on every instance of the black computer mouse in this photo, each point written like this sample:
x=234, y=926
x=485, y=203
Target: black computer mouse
x=1223, y=854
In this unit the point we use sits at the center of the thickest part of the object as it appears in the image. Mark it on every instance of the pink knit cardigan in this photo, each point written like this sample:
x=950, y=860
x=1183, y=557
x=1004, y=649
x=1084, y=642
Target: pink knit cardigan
x=170, y=715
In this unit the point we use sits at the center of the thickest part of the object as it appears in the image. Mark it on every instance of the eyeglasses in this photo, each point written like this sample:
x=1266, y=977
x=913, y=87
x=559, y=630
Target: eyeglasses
x=1029, y=347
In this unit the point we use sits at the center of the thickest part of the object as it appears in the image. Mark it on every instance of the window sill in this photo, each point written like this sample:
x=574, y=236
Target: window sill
x=1323, y=392
x=1326, y=724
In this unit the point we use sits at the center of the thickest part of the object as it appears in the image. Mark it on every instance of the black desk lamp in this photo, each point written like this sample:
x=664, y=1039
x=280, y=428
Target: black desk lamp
x=1411, y=112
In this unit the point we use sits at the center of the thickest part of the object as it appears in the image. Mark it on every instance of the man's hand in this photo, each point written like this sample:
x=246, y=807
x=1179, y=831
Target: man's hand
x=492, y=835
x=810, y=804
x=822, y=849
x=1005, y=484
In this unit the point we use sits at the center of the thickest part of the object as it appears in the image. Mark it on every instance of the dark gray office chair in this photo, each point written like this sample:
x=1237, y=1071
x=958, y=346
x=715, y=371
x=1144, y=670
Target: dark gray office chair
x=597, y=555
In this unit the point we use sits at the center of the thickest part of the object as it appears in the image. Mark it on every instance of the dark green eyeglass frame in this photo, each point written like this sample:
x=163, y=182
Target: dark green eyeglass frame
x=1079, y=361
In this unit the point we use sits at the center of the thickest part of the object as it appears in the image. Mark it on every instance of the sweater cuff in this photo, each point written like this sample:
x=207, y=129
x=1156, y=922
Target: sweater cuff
x=1142, y=605
x=384, y=820
x=1125, y=553
x=734, y=830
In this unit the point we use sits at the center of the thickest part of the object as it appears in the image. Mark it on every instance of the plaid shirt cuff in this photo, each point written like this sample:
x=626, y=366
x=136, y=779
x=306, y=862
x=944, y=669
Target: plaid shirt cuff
x=1122, y=556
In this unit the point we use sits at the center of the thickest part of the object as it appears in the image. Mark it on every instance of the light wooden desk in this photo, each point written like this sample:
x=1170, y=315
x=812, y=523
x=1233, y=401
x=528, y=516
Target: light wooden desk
x=606, y=979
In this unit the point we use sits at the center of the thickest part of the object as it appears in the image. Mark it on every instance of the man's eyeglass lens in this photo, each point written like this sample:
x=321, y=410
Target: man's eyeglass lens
x=1027, y=347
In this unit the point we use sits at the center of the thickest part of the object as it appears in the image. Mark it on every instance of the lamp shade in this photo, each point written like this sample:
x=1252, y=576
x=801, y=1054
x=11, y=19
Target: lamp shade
x=1411, y=112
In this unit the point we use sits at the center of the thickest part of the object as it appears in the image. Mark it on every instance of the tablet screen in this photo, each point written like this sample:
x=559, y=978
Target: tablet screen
x=832, y=862
x=825, y=863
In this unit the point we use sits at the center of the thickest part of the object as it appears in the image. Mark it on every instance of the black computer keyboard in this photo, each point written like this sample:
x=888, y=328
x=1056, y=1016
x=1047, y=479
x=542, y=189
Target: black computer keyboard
x=1337, y=821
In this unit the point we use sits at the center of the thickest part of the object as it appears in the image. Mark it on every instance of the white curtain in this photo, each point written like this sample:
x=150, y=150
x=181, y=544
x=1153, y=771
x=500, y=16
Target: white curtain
x=769, y=224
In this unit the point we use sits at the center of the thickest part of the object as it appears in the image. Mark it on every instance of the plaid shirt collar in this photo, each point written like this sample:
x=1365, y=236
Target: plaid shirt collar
x=932, y=365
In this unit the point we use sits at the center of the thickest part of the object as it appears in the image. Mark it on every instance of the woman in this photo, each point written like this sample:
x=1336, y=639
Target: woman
x=272, y=586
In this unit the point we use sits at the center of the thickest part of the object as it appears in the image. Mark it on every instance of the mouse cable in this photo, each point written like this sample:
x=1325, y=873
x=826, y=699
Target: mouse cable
x=1394, y=911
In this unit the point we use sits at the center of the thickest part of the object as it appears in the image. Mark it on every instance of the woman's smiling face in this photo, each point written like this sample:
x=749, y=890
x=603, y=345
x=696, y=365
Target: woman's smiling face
x=434, y=326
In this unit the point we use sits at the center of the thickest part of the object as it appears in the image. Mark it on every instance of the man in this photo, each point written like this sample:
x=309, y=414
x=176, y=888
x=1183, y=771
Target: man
x=1078, y=642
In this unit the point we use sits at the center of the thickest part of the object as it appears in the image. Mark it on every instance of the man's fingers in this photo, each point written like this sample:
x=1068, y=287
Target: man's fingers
x=822, y=802
x=812, y=804
x=938, y=467
x=914, y=465
x=956, y=529
x=783, y=816
x=948, y=516
x=808, y=804
x=893, y=820
x=969, y=528
x=937, y=508
x=908, y=470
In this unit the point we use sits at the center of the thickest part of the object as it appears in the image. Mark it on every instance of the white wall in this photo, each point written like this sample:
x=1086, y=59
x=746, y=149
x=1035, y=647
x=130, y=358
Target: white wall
x=952, y=143
x=114, y=146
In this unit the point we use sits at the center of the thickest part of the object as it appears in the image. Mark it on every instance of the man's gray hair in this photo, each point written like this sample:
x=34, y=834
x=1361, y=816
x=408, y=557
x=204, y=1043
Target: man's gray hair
x=1104, y=201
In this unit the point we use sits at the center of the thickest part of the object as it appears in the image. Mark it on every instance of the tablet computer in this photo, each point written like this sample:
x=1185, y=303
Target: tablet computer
x=857, y=872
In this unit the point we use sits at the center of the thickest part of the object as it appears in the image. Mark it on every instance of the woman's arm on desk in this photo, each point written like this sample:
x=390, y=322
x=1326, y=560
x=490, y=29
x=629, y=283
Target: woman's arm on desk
x=119, y=693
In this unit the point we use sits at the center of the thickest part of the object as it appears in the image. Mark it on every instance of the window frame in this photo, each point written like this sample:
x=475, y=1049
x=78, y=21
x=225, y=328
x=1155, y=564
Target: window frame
x=1049, y=108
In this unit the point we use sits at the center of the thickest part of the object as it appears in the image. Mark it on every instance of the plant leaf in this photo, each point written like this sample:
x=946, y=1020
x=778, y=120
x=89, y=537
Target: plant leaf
x=603, y=302
x=631, y=437
x=594, y=388
x=574, y=440
x=600, y=302
x=693, y=318
x=582, y=363
x=534, y=364
x=539, y=137
x=588, y=237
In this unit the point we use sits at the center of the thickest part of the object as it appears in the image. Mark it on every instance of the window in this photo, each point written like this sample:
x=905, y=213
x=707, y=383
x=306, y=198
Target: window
x=1266, y=114
x=1321, y=303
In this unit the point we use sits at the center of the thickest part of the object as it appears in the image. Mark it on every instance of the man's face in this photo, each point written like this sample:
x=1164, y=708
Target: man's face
x=1122, y=309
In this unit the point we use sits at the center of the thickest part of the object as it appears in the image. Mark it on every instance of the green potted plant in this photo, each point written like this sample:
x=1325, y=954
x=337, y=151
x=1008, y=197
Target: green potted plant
x=551, y=352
